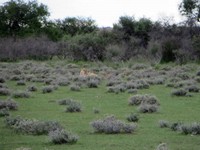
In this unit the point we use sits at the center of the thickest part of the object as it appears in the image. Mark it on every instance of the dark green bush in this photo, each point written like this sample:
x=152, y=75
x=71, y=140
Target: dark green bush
x=89, y=47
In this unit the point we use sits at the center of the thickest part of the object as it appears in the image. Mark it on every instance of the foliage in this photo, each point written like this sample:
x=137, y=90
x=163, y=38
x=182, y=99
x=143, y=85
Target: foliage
x=33, y=127
x=61, y=137
x=110, y=125
x=190, y=9
x=133, y=117
x=74, y=106
x=19, y=18
x=88, y=47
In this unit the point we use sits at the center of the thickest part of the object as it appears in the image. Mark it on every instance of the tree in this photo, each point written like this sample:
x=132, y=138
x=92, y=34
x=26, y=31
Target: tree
x=190, y=9
x=74, y=26
x=19, y=18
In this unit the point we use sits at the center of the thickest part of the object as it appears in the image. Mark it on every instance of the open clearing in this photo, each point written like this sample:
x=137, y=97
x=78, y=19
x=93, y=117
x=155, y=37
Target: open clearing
x=105, y=93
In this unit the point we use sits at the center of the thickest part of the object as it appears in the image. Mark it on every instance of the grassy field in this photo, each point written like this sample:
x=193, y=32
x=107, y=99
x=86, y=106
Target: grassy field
x=147, y=136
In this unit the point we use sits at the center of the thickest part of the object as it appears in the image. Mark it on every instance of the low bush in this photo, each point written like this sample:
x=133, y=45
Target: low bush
x=62, y=137
x=2, y=80
x=33, y=127
x=47, y=89
x=21, y=82
x=110, y=125
x=138, y=99
x=192, y=88
x=179, y=92
x=133, y=117
x=5, y=92
x=117, y=88
x=96, y=110
x=75, y=87
x=164, y=124
x=64, y=101
x=148, y=108
x=9, y=104
x=176, y=126
x=32, y=88
x=4, y=112
x=21, y=94
x=92, y=83
x=74, y=106
x=132, y=91
x=193, y=128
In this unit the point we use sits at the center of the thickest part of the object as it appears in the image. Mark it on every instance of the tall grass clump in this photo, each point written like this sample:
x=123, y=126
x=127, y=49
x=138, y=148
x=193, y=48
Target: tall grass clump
x=62, y=137
x=65, y=101
x=110, y=125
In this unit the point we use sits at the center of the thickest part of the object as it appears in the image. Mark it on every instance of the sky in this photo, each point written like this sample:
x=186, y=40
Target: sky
x=107, y=12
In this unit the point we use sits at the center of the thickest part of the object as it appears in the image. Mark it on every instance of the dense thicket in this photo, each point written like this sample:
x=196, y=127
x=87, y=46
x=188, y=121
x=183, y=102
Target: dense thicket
x=27, y=33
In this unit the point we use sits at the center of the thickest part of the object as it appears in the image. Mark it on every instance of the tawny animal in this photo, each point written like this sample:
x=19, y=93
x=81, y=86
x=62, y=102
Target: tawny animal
x=85, y=73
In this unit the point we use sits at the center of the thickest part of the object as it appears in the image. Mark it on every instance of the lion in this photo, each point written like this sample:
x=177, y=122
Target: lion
x=85, y=73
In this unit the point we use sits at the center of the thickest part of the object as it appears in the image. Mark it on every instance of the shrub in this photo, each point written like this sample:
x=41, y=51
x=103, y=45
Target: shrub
x=32, y=88
x=96, y=110
x=92, y=83
x=62, y=137
x=4, y=112
x=74, y=107
x=192, y=88
x=47, y=89
x=132, y=91
x=2, y=80
x=75, y=87
x=9, y=104
x=65, y=101
x=179, y=92
x=21, y=82
x=110, y=125
x=148, y=108
x=4, y=92
x=193, y=128
x=117, y=88
x=138, y=99
x=133, y=117
x=33, y=127
x=164, y=124
x=21, y=94
x=176, y=126
x=198, y=73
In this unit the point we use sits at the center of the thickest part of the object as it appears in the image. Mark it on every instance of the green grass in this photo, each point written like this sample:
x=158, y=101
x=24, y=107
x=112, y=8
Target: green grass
x=147, y=136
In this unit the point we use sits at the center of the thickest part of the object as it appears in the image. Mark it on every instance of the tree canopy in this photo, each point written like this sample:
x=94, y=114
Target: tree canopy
x=19, y=17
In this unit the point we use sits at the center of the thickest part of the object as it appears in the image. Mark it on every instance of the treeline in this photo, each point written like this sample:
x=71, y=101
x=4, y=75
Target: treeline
x=27, y=33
